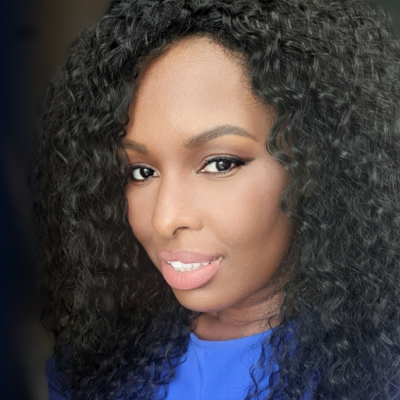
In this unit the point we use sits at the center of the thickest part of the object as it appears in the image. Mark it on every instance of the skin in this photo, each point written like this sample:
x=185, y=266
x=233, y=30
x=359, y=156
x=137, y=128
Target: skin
x=193, y=86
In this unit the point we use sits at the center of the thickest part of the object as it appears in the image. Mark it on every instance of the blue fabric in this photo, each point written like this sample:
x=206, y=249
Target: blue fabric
x=216, y=370
x=55, y=392
x=212, y=370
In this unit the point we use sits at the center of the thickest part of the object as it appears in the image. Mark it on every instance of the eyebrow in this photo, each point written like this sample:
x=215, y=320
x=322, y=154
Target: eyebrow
x=197, y=140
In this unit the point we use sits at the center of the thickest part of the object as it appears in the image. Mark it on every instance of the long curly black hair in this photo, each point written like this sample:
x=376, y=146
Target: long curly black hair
x=331, y=71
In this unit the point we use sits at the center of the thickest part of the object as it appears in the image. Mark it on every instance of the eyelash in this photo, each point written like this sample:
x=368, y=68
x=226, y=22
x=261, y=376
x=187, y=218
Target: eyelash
x=234, y=160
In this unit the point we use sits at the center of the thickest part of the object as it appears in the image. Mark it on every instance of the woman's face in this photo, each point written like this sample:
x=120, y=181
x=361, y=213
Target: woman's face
x=180, y=203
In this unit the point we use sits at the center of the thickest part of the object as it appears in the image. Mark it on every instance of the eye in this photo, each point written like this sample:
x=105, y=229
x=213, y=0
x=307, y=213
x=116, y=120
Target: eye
x=139, y=173
x=223, y=165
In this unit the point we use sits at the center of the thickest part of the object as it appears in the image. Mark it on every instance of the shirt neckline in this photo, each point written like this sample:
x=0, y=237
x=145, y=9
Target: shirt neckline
x=231, y=343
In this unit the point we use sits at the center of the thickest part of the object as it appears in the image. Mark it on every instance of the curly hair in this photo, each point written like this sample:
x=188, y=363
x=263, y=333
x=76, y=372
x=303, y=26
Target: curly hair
x=331, y=70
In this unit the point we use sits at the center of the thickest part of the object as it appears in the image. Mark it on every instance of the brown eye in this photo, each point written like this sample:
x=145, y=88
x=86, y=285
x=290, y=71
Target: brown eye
x=139, y=173
x=142, y=172
x=223, y=164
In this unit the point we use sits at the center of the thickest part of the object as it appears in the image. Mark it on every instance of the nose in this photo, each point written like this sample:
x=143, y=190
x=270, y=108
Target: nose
x=177, y=206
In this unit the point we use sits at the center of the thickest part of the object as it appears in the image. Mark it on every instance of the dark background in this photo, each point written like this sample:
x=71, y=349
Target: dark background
x=34, y=37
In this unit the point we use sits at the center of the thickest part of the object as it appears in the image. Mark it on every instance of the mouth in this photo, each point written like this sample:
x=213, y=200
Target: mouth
x=186, y=257
x=192, y=278
x=187, y=267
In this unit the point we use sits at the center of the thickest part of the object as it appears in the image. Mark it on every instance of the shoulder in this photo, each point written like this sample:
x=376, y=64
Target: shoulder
x=56, y=382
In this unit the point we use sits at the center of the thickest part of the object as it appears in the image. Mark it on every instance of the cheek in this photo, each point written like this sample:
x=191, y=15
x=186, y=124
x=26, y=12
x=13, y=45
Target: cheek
x=139, y=216
x=249, y=213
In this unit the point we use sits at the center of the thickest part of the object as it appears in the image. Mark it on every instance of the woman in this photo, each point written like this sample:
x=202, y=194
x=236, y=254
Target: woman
x=216, y=192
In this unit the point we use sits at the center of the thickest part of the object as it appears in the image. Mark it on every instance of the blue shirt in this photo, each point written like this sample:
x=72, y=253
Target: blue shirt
x=212, y=370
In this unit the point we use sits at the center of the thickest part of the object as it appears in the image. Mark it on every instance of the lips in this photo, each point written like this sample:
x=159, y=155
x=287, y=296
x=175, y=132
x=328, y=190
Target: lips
x=187, y=257
x=192, y=279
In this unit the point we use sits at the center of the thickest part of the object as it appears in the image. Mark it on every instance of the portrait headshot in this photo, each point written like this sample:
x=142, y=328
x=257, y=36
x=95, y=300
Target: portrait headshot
x=216, y=197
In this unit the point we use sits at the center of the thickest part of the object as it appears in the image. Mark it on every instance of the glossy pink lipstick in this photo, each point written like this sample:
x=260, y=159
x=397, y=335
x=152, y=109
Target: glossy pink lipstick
x=191, y=279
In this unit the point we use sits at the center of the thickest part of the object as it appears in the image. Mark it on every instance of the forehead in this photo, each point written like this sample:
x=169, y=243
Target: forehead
x=193, y=86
